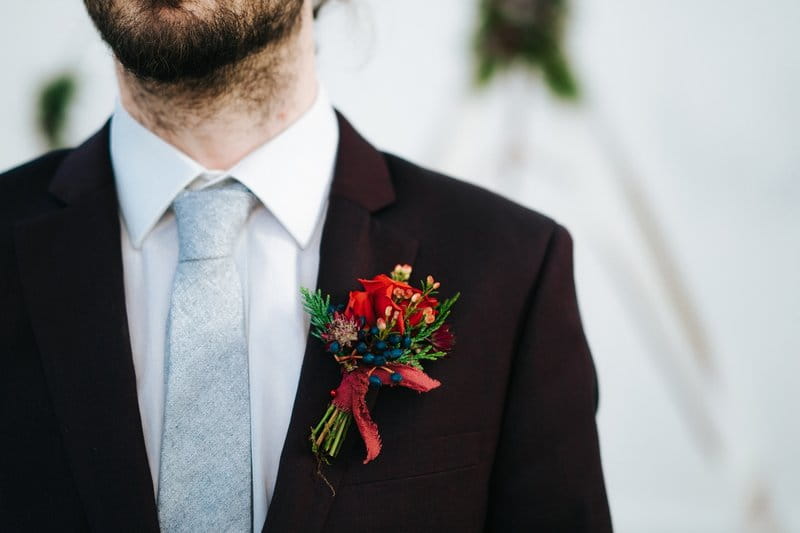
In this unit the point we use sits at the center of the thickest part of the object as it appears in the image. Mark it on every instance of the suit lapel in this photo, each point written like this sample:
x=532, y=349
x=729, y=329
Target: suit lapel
x=71, y=267
x=354, y=244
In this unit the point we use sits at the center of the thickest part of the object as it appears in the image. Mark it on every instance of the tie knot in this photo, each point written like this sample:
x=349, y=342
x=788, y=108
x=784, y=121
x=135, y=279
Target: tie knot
x=209, y=220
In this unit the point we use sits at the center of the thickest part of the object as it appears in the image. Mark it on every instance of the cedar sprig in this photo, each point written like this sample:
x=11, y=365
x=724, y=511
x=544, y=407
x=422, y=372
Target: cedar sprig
x=442, y=312
x=413, y=357
x=318, y=308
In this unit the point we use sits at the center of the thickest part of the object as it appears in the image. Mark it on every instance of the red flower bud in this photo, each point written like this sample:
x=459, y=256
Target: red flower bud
x=443, y=339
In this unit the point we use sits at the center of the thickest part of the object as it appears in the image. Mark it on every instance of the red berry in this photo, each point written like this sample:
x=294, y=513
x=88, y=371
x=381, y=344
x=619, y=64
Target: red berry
x=333, y=393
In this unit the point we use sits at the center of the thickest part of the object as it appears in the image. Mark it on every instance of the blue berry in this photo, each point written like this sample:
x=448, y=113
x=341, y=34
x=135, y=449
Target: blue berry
x=394, y=338
x=397, y=378
x=406, y=342
x=397, y=353
x=380, y=346
x=333, y=347
x=361, y=348
x=380, y=360
x=369, y=359
x=375, y=380
x=373, y=331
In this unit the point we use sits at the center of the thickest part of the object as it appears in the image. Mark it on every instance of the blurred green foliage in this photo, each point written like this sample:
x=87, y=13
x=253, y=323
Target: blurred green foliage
x=55, y=99
x=528, y=33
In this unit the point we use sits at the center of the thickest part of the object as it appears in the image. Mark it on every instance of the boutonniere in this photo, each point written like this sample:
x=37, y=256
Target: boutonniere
x=381, y=338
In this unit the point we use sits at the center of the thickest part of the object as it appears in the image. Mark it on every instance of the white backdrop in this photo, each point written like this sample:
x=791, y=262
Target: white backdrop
x=679, y=177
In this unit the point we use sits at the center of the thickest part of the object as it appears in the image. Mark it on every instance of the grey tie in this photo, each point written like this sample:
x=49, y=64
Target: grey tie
x=205, y=473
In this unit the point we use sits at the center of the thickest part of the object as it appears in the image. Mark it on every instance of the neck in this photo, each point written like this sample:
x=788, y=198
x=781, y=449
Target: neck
x=218, y=121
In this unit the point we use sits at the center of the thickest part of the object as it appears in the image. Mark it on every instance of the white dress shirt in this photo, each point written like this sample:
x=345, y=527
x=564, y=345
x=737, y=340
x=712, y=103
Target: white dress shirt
x=276, y=254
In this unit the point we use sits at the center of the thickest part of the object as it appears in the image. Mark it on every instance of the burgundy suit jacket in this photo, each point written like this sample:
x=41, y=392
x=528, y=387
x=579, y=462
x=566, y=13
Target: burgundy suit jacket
x=507, y=443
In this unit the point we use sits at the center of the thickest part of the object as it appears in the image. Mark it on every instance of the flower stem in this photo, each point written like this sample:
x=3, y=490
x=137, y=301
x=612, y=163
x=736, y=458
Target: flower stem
x=338, y=436
x=329, y=434
x=331, y=407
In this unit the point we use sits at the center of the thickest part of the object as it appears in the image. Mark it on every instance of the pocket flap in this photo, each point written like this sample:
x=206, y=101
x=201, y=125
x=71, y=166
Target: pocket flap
x=419, y=456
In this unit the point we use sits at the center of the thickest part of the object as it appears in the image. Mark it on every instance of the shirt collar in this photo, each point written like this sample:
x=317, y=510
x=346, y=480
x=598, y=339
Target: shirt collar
x=290, y=174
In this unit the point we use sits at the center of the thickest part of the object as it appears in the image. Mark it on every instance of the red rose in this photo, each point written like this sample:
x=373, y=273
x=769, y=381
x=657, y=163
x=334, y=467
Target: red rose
x=383, y=292
x=360, y=305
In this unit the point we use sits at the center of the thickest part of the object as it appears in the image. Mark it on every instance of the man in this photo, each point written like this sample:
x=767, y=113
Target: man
x=155, y=369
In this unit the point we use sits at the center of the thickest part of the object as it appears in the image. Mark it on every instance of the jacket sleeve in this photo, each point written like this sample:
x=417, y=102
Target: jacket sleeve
x=547, y=474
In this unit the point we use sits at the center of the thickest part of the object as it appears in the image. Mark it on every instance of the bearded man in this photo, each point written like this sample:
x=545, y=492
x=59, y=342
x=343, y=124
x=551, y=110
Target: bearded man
x=156, y=368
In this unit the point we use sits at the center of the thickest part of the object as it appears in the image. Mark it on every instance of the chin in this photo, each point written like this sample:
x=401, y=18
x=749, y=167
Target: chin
x=177, y=8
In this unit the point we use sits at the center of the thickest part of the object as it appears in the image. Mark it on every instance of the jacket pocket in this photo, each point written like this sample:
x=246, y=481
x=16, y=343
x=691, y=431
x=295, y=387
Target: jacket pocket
x=419, y=457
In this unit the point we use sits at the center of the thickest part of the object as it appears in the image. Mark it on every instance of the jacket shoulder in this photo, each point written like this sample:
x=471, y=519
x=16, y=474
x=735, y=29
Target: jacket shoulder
x=455, y=205
x=24, y=189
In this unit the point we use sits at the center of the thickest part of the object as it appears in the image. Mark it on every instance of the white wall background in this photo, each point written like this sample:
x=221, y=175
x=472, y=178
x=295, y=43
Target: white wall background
x=685, y=148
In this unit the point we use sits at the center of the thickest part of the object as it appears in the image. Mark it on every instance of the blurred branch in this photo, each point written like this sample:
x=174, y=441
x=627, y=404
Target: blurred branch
x=676, y=289
x=525, y=32
x=55, y=99
x=530, y=32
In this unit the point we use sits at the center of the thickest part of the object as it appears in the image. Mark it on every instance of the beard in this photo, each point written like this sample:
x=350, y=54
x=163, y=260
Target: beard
x=191, y=42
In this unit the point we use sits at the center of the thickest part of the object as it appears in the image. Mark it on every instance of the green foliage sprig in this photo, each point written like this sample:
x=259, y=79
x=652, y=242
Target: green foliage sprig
x=318, y=308
x=443, y=311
